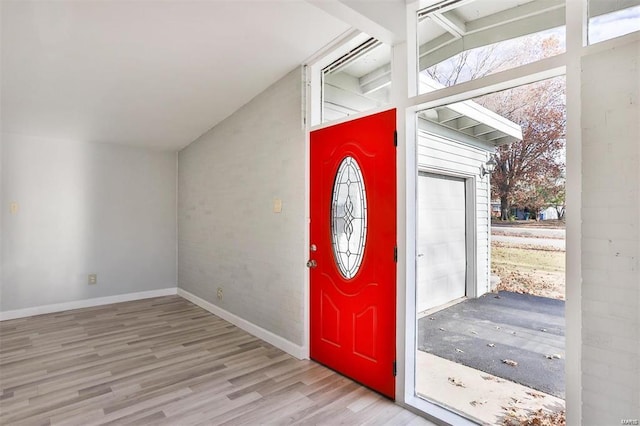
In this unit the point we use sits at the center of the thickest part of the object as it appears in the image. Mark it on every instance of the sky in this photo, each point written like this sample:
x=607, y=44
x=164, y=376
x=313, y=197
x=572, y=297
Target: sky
x=614, y=24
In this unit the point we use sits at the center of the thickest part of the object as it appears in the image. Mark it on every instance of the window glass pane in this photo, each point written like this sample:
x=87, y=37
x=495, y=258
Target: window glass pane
x=358, y=81
x=348, y=217
x=467, y=40
x=609, y=19
x=472, y=344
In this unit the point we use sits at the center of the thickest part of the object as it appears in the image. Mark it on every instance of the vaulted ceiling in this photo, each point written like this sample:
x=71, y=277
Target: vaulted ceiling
x=160, y=73
x=147, y=73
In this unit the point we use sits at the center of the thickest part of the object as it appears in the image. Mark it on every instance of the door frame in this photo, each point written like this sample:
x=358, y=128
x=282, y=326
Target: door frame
x=311, y=73
x=471, y=224
x=307, y=78
x=383, y=146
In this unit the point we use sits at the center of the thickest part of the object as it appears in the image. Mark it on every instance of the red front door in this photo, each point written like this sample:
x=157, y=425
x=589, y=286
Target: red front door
x=352, y=252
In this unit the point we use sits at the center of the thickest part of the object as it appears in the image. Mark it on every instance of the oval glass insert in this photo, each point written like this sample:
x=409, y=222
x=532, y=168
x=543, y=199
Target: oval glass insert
x=348, y=217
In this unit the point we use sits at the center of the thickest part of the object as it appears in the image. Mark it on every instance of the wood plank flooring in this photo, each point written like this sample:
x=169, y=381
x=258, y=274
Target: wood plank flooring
x=165, y=361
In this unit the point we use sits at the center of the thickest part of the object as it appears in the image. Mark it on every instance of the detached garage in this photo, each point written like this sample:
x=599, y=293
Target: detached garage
x=453, y=200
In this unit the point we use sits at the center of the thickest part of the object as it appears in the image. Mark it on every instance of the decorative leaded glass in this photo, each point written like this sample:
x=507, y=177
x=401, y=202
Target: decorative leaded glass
x=348, y=217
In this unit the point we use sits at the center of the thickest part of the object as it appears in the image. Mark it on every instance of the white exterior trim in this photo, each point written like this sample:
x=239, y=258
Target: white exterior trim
x=576, y=21
x=529, y=73
x=85, y=303
x=525, y=74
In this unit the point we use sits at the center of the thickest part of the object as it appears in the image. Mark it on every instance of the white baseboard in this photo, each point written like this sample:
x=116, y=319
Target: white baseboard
x=86, y=303
x=269, y=337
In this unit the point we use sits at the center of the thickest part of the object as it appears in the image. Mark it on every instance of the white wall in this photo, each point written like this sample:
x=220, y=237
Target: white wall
x=229, y=236
x=85, y=208
x=611, y=236
x=442, y=156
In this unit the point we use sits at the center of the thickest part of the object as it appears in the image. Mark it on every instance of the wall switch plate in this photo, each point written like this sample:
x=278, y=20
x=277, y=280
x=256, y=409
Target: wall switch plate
x=93, y=279
x=277, y=205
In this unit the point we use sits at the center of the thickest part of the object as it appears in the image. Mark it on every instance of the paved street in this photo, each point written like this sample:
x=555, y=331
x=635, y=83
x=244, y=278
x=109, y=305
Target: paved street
x=533, y=232
x=544, y=237
x=544, y=242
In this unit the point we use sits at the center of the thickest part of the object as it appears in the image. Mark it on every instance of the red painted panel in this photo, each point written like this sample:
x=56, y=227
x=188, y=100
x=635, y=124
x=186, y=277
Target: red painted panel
x=365, y=324
x=330, y=325
x=363, y=307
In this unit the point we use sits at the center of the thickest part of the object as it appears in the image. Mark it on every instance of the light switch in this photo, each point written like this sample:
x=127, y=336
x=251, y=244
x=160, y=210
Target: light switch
x=277, y=205
x=14, y=207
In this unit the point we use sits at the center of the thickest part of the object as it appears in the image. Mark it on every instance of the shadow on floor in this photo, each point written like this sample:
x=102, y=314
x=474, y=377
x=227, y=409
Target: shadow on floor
x=523, y=328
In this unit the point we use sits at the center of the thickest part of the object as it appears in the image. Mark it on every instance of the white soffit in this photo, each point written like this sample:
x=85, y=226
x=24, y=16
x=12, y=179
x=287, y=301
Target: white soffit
x=471, y=119
x=147, y=73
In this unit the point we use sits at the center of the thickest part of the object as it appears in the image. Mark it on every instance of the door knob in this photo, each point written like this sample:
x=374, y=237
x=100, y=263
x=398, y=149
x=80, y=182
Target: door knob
x=312, y=263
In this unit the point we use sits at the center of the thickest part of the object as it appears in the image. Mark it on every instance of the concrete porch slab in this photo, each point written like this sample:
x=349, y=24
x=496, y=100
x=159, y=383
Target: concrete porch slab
x=481, y=333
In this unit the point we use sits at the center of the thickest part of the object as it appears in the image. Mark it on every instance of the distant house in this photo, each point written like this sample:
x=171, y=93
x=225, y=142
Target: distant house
x=550, y=213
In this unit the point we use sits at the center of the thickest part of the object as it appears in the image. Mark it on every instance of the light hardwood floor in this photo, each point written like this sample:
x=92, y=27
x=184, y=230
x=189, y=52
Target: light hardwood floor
x=165, y=361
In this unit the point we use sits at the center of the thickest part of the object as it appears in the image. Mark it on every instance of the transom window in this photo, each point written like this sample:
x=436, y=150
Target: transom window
x=357, y=81
x=459, y=41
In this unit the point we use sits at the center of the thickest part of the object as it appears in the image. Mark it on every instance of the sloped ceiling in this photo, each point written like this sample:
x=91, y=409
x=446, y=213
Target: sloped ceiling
x=146, y=73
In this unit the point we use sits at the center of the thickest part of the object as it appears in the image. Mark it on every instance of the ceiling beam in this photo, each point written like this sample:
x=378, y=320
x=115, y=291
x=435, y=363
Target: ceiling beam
x=529, y=25
x=346, y=14
x=443, y=53
x=518, y=13
x=365, y=20
x=436, y=43
x=447, y=114
x=376, y=79
x=463, y=123
x=453, y=21
x=602, y=7
x=479, y=130
x=438, y=96
x=442, y=8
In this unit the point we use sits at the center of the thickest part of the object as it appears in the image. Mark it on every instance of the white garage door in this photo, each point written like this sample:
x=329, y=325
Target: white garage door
x=441, y=244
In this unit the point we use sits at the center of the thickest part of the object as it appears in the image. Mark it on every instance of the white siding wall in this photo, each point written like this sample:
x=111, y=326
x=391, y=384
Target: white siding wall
x=611, y=236
x=229, y=235
x=442, y=156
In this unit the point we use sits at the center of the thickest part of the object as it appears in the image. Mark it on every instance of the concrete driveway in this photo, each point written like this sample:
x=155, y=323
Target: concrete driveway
x=481, y=333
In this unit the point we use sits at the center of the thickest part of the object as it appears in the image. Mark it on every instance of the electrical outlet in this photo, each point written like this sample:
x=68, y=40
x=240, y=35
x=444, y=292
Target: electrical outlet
x=93, y=279
x=219, y=293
